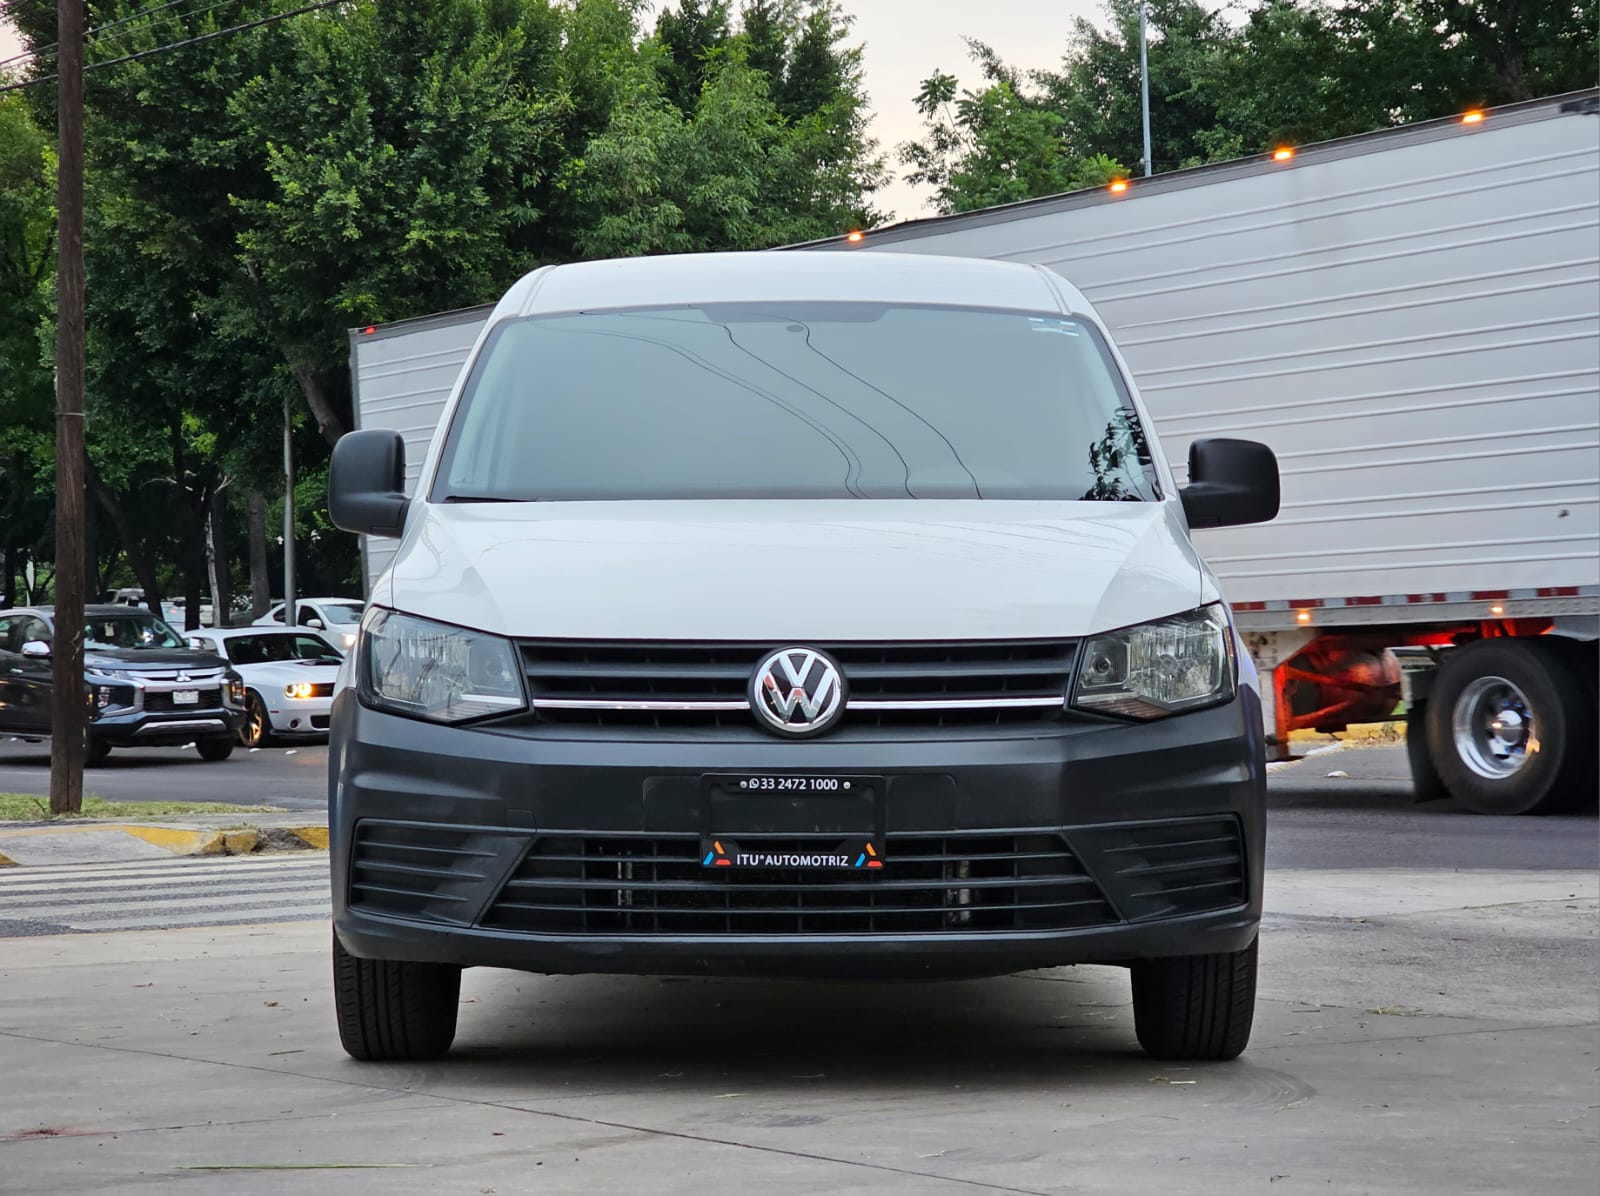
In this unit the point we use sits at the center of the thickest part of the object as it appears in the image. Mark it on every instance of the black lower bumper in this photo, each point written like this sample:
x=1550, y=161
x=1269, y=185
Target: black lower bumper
x=163, y=729
x=1089, y=842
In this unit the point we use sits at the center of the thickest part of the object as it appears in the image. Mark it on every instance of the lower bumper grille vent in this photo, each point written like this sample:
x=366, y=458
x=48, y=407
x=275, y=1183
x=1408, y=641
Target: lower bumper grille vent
x=933, y=883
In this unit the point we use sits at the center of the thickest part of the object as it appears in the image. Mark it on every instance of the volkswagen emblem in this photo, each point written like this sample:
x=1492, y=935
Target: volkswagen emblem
x=798, y=691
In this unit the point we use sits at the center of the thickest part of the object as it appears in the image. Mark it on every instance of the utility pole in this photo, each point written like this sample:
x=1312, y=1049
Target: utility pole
x=1144, y=84
x=288, y=516
x=68, y=711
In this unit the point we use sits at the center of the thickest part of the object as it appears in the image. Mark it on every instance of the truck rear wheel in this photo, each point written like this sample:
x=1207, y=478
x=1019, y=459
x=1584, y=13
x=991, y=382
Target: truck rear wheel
x=1508, y=729
x=391, y=1011
x=1195, y=1006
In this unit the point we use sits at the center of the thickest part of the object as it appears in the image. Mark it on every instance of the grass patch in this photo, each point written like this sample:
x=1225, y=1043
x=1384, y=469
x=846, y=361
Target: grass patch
x=24, y=807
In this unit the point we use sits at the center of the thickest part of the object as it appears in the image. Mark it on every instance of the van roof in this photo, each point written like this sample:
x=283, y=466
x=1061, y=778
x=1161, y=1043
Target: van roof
x=862, y=276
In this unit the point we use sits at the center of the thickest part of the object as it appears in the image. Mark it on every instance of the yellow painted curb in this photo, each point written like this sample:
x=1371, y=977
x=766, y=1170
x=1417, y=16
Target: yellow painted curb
x=178, y=840
x=314, y=837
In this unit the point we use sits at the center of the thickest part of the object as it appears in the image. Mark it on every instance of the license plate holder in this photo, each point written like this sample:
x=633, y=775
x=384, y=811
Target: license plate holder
x=186, y=697
x=805, y=821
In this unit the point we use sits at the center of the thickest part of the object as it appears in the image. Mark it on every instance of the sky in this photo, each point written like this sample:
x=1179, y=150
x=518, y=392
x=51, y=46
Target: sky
x=907, y=40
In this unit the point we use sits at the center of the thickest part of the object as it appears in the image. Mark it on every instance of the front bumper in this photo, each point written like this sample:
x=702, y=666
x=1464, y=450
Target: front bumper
x=299, y=716
x=139, y=728
x=571, y=852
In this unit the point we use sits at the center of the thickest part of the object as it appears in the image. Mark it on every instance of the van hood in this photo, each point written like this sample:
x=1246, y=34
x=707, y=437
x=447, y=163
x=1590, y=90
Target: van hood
x=772, y=571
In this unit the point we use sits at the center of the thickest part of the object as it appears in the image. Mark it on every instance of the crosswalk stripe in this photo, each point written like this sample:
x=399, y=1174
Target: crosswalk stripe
x=163, y=893
x=59, y=910
x=157, y=881
x=228, y=865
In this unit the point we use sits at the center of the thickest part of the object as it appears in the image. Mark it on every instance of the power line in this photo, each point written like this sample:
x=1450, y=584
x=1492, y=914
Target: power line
x=100, y=34
x=193, y=41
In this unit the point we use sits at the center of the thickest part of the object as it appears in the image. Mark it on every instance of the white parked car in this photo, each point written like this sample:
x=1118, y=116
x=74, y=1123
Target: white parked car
x=288, y=675
x=339, y=617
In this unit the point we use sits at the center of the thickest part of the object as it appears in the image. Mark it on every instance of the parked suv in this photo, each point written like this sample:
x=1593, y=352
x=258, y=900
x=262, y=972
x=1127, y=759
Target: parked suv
x=144, y=686
x=824, y=614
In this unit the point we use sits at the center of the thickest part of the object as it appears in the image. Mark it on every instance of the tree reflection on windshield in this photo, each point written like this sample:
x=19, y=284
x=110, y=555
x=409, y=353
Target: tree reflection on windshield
x=128, y=631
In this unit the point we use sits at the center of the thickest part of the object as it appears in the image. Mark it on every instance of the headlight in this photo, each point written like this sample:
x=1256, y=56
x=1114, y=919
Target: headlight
x=348, y=639
x=95, y=672
x=234, y=690
x=433, y=671
x=300, y=689
x=1156, y=669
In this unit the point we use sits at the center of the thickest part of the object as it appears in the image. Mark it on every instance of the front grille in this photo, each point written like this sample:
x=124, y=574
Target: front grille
x=938, y=676
x=1169, y=869
x=161, y=701
x=932, y=883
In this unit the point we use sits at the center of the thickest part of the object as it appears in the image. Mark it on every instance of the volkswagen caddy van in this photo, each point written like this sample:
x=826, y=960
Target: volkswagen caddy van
x=796, y=614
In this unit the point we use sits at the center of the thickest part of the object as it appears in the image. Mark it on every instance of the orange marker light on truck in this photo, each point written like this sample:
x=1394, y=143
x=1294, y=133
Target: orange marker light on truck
x=1473, y=116
x=1283, y=153
x=1118, y=185
x=853, y=236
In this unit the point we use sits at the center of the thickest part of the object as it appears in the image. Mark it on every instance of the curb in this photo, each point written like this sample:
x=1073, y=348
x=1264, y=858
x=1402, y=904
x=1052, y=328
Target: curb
x=111, y=842
x=1392, y=731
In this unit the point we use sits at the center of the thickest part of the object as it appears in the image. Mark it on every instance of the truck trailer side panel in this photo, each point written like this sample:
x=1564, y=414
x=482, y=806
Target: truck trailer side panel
x=402, y=373
x=1410, y=319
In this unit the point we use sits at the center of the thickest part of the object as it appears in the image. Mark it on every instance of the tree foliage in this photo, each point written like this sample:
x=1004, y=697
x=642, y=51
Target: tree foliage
x=254, y=196
x=1292, y=71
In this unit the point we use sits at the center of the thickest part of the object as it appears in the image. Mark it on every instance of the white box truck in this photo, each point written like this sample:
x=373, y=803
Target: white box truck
x=1411, y=319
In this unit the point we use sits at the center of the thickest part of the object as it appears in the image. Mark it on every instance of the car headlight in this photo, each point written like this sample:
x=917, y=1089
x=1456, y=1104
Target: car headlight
x=233, y=692
x=430, y=670
x=300, y=689
x=94, y=673
x=1155, y=669
x=348, y=639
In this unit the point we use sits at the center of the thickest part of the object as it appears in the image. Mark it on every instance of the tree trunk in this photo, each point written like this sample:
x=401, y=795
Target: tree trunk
x=328, y=421
x=137, y=561
x=260, y=583
x=217, y=555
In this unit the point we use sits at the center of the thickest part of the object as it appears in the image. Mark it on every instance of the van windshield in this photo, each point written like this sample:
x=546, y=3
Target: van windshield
x=795, y=400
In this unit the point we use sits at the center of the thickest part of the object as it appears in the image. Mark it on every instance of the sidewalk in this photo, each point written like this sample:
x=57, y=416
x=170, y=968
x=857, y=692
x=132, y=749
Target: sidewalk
x=118, y=840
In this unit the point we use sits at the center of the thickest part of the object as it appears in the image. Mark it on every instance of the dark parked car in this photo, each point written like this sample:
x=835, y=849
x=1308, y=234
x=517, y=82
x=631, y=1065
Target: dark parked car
x=144, y=686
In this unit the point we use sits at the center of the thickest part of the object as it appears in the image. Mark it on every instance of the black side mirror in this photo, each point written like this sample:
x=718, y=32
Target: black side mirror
x=367, y=481
x=1230, y=482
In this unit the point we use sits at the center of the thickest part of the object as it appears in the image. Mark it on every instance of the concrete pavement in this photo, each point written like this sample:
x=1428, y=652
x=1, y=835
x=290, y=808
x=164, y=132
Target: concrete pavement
x=1419, y=1031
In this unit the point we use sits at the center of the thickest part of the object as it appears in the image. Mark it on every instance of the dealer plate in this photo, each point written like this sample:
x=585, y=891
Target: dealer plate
x=807, y=821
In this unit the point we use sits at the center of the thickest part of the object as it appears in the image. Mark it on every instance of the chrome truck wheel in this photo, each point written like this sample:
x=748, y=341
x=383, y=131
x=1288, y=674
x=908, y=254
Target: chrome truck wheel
x=1510, y=728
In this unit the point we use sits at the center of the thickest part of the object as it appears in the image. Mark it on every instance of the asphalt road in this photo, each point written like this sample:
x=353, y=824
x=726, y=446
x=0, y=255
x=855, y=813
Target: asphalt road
x=292, y=776
x=1365, y=818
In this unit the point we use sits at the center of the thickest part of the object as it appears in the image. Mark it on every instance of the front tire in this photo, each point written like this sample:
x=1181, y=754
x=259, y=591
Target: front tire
x=1510, y=728
x=393, y=1012
x=95, y=752
x=215, y=749
x=257, y=729
x=1195, y=1006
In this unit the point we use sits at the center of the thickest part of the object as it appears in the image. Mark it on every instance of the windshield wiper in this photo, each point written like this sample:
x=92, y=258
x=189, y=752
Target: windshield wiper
x=484, y=498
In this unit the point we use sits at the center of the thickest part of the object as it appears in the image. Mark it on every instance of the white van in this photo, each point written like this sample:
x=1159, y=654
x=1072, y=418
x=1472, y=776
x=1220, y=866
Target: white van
x=801, y=614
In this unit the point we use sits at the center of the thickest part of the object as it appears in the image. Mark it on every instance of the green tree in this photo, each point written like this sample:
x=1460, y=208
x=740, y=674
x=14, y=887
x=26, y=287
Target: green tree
x=998, y=144
x=734, y=170
x=27, y=274
x=688, y=35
